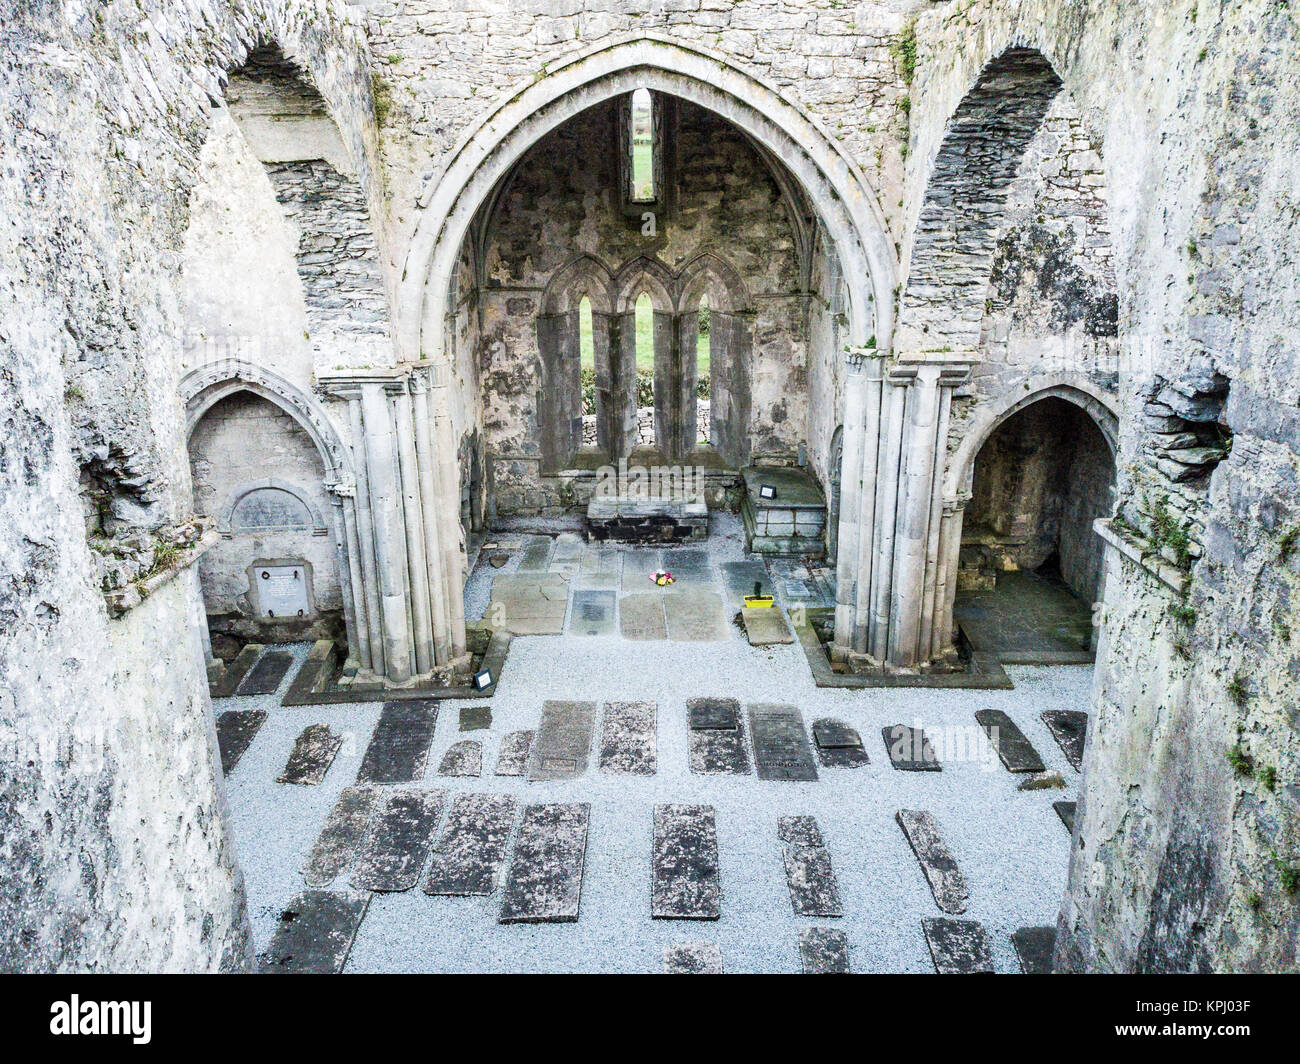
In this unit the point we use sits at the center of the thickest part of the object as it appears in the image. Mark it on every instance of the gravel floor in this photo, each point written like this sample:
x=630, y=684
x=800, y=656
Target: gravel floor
x=1009, y=844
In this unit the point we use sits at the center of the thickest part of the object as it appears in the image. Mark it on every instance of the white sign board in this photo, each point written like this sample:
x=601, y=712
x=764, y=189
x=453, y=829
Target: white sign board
x=282, y=590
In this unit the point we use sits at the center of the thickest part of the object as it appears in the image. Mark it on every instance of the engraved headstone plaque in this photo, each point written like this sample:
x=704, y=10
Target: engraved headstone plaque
x=281, y=590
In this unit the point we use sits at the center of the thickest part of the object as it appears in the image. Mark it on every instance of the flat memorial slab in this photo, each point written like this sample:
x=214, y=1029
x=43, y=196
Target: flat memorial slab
x=313, y=753
x=716, y=737
x=1065, y=810
x=267, y=672
x=1034, y=947
x=957, y=947
x=684, y=882
x=638, y=565
x=936, y=860
x=781, y=750
x=909, y=750
x=1069, y=727
x=536, y=556
x=693, y=958
x=838, y=745
x=629, y=738
x=641, y=616
x=799, y=831
x=398, y=841
x=690, y=568
x=601, y=567
x=512, y=758
x=765, y=627
x=814, y=890
x=544, y=884
x=470, y=851
x=399, y=746
x=695, y=616
x=562, y=746
x=235, y=731
x=475, y=718
x=593, y=613
x=1015, y=750
x=529, y=603
x=823, y=951
x=315, y=933
x=739, y=579
x=464, y=758
x=339, y=837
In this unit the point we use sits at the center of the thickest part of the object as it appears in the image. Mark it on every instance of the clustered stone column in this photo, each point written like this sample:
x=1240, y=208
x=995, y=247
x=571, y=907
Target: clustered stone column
x=401, y=592
x=898, y=535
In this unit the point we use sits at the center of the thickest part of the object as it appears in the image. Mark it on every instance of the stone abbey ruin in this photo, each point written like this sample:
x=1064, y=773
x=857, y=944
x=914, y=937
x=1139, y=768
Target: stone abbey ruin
x=364, y=364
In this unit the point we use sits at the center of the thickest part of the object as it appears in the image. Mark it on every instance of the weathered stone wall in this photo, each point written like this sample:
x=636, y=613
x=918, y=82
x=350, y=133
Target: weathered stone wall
x=1178, y=859
x=114, y=851
x=241, y=444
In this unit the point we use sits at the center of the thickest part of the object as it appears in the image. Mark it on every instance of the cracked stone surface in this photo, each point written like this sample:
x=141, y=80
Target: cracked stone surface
x=398, y=841
x=464, y=758
x=693, y=958
x=629, y=738
x=715, y=747
x=685, y=883
x=823, y=951
x=936, y=860
x=811, y=880
x=313, y=753
x=957, y=947
x=472, y=847
x=512, y=758
x=544, y=884
x=342, y=833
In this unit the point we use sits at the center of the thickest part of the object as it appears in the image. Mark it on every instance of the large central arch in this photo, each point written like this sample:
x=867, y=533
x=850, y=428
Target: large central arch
x=833, y=182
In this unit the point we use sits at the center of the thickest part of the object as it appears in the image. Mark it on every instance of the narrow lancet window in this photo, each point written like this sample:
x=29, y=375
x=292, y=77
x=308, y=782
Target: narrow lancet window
x=641, y=147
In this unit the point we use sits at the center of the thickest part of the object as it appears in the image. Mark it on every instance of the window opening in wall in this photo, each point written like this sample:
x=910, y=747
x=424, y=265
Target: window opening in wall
x=641, y=147
x=587, y=370
x=702, y=400
x=645, y=370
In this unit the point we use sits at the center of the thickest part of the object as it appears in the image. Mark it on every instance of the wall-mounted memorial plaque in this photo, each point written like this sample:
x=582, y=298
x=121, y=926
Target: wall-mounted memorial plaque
x=282, y=590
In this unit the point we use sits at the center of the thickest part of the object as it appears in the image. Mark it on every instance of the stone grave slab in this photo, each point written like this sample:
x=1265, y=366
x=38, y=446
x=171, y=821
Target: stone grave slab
x=814, y=891
x=739, y=579
x=629, y=738
x=690, y=568
x=529, y=603
x=693, y=615
x=464, y=758
x=470, y=851
x=693, y=958
x=562, y=746
x=475, y=718
x=781, y=750
x=342, y=832
x=399, y=746
x=601, y=567
x=512, y=758
x=957, y=947
x=1065, y=810
x=765, y=627
x=235, y=731
x=544, y=884
x=716, y=736
x=685, y=883
x=593, y=613
x=569, y=547
x=536, y=556
x=313, y=753
x=398, y=841
x=266, y=674
x=799, y=831
x=641, y=616
x=823, y=951
x=1069, y=727
x=838, y=745
x=1014, y=748
x=315, y=933
x=909, y=750
x=1034, y=947
x=937, y=862
x=638, y=565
